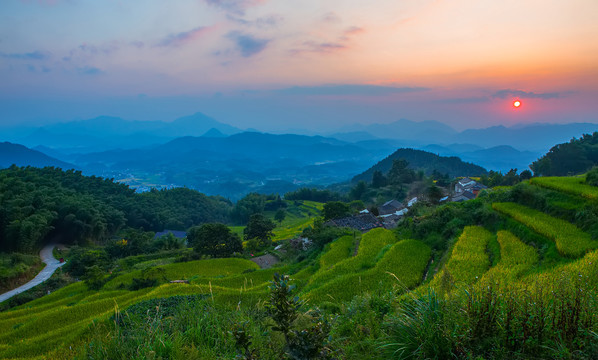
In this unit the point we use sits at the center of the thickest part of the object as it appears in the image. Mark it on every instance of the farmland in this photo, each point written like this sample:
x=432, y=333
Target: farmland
x=570, y=240
x=363, y=283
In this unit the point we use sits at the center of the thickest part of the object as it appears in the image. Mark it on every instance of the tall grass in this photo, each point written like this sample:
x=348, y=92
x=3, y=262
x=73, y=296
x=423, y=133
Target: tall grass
x=570, y=240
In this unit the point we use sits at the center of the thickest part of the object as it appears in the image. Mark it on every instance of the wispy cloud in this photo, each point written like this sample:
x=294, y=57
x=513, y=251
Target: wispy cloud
x=42, y=2
x=237, y=7
x=247, y=44
x=507, y=93
x=182, y=38
x=342, y=42
x=90, y=70
x=36, y=55
x=349, y=89
x=261, y=22
x=331, y=17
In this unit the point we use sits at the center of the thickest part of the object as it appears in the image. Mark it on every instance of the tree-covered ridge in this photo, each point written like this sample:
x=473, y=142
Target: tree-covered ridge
x=38, y=205
x=575, y=157
x=426, y=161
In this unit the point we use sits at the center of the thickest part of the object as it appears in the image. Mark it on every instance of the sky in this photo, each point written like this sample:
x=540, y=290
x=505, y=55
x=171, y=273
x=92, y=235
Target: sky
x=280, y=65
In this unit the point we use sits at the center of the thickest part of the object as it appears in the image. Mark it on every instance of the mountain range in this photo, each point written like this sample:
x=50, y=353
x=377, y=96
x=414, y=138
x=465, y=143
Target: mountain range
x=199, y=152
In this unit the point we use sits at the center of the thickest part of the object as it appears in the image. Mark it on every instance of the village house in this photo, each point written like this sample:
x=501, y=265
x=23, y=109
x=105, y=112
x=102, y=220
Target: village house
x=467, y=189
x=361, y=222
x=390, y=207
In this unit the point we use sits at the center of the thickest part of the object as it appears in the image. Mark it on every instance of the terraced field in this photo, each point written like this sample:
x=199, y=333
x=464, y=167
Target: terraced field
x=402, y=266
x=370, y=246
x=571, y=185
x=570, y=240
x=45, y=327
x=469, y=259
x=516, y=259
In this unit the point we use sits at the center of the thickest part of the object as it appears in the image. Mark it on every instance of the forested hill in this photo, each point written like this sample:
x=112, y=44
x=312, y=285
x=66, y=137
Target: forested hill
x=37, y=205
x=426, y=161
x=575, y=157
x=22, y=156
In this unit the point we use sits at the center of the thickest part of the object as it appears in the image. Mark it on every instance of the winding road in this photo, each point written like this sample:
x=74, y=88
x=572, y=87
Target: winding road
x=51, y=265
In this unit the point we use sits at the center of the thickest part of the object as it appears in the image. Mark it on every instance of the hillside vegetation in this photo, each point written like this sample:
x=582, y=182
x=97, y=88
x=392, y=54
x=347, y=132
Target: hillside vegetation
x=452, y=281
x=426, y=161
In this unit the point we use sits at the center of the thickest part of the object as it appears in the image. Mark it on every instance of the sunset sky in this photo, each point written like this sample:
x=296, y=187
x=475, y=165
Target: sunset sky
x=279, y=65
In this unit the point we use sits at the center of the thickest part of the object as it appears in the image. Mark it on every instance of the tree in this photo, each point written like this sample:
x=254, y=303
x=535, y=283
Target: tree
x=525, y=175
x=280, y=215
x=592, y=177
x=214, y=239
x=434, y=194
x=378, y=179
x=252, y=203
x=259, y=227
x=399, y=173
x=335, y=210
x=359, y=190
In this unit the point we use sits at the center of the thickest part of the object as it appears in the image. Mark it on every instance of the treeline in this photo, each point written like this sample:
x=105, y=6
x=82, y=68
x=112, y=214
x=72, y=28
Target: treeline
x=37, y=205
x=425, y=161
x=575, y=157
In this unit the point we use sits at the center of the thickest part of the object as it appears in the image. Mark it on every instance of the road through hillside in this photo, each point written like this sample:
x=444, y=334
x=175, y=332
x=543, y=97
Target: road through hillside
x=51, y=265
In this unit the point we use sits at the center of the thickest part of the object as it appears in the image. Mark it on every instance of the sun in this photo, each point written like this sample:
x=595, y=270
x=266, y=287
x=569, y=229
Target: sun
x=516, y=103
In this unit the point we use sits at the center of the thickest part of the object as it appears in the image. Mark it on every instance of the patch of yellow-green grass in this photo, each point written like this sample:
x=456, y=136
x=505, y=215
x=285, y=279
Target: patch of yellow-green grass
x=402, y=267
x=61, y=316
x=339, y=250
x=570, y=240
x=469, y=259
x=298, y=217
x=370, y=245
x=572, y=185
x=237, y=230
x=58, y=295
x=516, y=259
x=245, y=280
x=187, y=270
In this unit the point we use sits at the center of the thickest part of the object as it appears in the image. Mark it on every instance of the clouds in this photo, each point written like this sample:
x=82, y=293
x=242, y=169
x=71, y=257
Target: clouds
x=340, y=42
x=184, y=37
x=236, y=7
x=35, y=55
x=349, y=89
x=507, y=93
x=90, y=70
x=247, y=45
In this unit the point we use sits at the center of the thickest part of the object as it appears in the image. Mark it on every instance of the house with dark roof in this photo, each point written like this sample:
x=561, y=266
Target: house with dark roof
x=464, y=185
x=361, y=222
x=463, y=196
x=390, y=207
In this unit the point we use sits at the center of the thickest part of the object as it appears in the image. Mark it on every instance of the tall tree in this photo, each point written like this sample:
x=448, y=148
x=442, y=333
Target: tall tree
x=214, y=239
x=259, y=227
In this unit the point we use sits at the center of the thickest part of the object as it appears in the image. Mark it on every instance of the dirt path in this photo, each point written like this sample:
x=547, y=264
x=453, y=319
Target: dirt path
x=51, y=265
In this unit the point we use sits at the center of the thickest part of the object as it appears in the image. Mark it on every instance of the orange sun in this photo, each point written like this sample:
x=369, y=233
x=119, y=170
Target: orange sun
x=516, y=103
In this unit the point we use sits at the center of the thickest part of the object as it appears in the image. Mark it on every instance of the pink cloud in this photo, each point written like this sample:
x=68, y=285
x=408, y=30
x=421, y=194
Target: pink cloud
x=185, y=37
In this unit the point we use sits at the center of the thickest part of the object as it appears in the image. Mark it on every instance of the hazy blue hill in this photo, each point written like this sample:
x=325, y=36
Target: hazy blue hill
x=535, y=137
x=424, y=132
x=195, y=125
x=22, y=156
x=108, y=132
x=501, y=158
x=235, y=165
x=213, y=133
x=419, y=159
x=354, y=136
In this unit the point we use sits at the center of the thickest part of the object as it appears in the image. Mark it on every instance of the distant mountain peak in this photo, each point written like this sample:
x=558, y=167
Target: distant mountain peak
x=23, y=156
x=214, y=133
